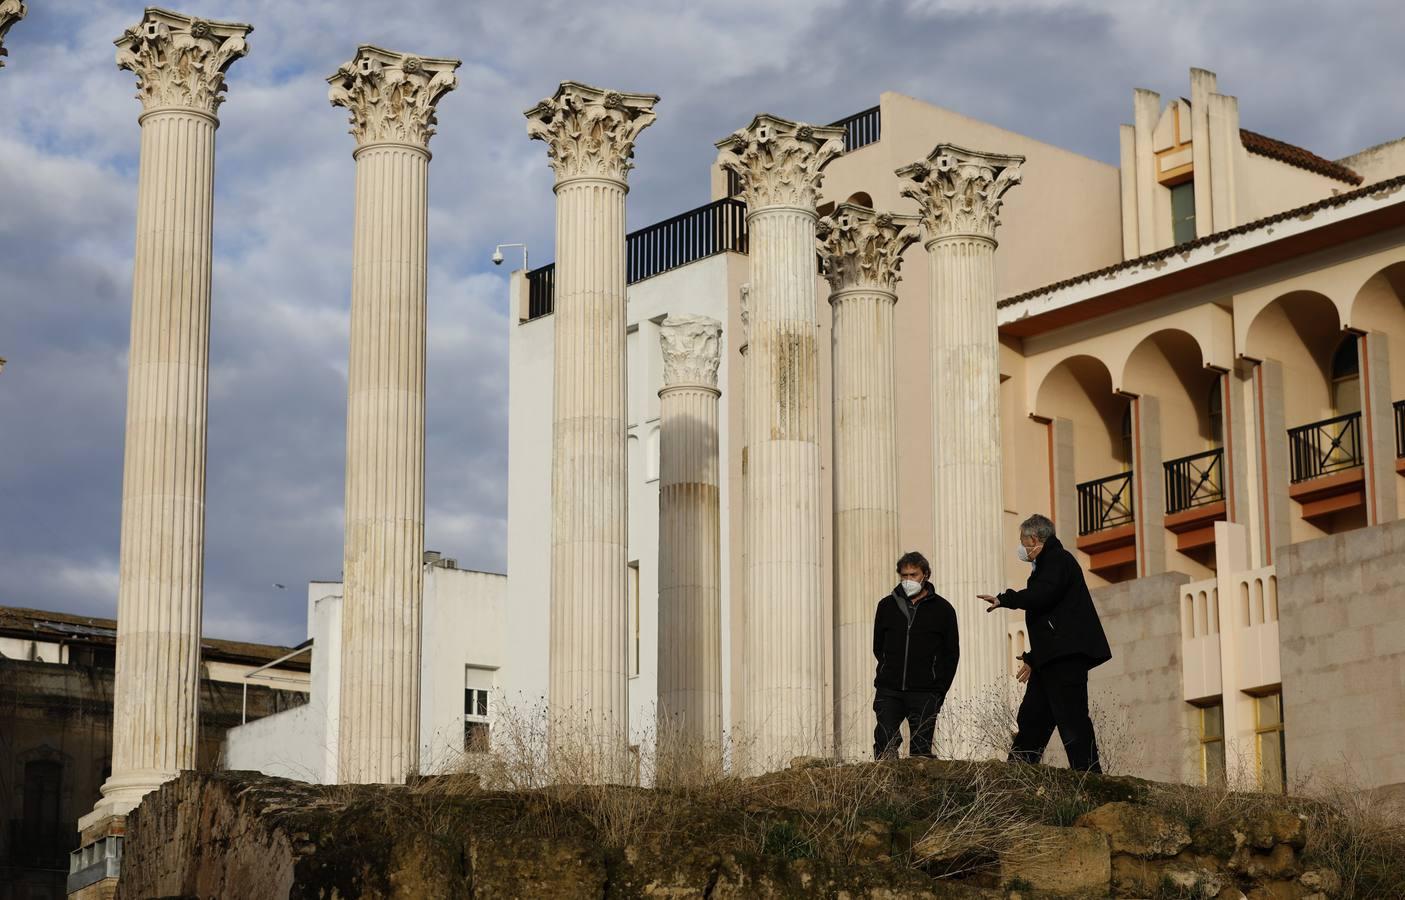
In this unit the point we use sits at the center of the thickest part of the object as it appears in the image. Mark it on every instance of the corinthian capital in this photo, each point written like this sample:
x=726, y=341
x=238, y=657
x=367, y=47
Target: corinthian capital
x=180, y=60
x=960, y=191
x=390, y=95
x=590, y=132
x=862, y=248
x=692, y=350
x=779, y=162
x=11, y=11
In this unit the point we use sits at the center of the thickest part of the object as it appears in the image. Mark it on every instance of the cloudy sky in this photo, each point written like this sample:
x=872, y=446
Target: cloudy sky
x=1062, y=72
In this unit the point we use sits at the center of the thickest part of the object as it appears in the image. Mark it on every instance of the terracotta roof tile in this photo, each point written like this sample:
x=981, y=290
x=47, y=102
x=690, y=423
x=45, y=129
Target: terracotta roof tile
x=1389, y=184
x=1295, y=156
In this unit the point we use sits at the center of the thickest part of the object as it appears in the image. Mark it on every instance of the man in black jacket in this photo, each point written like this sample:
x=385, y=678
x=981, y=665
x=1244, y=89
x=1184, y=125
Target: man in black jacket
x=1066, y=640
x=916, y=646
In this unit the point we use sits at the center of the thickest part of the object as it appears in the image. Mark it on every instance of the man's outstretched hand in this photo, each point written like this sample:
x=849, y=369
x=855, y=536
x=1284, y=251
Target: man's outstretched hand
x=1022, y=676
x=993, y=601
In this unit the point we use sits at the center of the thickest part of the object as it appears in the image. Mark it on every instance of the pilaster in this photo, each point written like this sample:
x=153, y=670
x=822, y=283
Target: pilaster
x=1378, y=428
x=1148, y=486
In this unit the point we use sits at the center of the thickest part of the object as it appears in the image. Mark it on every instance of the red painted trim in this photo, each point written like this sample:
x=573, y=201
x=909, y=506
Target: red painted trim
x=1263, y=463
x=1369, y=455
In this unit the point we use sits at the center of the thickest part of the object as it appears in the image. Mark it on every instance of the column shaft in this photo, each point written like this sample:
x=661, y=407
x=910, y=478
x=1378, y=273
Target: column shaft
x=786, y=643
x=690, y=564
x=865, y=497
x=968, y=554
x=589, y=541
x=381, y=607
x=163, y=480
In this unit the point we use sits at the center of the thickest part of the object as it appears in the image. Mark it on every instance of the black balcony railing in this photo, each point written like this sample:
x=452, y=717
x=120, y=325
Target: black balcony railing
x=1195, y=480
x=696, y=234
x=1400, y=429
x=718, y=227
x=1105, y=503
x=44, y=845
x=541, y=290
x=861, y=129
x=1332, y=445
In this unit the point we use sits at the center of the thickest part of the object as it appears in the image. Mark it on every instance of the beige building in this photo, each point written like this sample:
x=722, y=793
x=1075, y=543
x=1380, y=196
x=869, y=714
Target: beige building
x=1195, y=382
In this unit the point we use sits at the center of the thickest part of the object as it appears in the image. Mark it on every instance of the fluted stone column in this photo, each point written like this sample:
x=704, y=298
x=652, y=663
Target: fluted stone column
x=959, y=192
x=180, y=63
x=590, y=136
x=788, y=706
x=861, y=251
x=11, y=11
x=391, y=98
x=690, y=551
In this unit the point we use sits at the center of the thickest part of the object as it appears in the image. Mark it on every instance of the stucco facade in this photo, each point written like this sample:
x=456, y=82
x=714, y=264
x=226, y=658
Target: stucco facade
x=1196, y=378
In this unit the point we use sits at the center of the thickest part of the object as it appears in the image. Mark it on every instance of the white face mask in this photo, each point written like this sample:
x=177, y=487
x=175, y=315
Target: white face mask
x=911, y=587
x=1022, y=553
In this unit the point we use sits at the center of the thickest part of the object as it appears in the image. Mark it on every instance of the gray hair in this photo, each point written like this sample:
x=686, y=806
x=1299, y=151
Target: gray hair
x=1038, y=527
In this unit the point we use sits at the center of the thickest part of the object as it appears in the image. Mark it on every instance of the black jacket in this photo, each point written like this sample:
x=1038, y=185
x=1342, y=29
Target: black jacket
x=916, y=654
x=1059, y=612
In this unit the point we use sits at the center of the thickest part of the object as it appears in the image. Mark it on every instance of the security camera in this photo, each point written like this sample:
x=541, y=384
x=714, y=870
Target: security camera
x=497, y=257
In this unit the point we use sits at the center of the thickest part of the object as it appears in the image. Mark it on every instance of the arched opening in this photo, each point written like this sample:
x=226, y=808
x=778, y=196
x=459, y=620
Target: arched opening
x=1300, y=330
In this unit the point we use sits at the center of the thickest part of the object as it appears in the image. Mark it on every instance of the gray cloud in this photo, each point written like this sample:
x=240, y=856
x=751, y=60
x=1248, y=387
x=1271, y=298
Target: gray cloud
x=1062, y=72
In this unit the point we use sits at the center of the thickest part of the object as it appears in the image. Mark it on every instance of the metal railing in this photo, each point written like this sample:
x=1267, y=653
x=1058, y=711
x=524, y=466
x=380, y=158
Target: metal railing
x=1400, y=429
x=1322, y=448
x=861, y=129
x=718, y=227
x=40, y=845
x=1105, y=503
x=1195, y=480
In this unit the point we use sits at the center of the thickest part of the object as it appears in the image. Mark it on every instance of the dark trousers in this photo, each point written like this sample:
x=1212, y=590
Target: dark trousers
x=1056, y=696
x=891, y=708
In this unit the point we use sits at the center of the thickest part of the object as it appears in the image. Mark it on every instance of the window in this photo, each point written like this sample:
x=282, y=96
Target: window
x=1214, y=412
x=42, y=779
x=1212, y=760
x=1183, y=212
x=1269, y=748
x=478, y=689
x=1346, y=377
x=633, y=588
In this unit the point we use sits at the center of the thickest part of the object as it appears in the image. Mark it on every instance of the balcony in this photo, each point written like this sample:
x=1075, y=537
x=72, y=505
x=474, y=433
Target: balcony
x=1105, y=523
x=1195, y=498
x=718, y=227
x=1326, y=466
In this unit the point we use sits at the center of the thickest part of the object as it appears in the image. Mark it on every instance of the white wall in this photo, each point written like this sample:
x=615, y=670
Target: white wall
x=462, y=626
x=701, y=288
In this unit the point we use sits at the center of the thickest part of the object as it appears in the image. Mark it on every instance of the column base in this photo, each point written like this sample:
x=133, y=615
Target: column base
x=123, y=793
x=94, y=868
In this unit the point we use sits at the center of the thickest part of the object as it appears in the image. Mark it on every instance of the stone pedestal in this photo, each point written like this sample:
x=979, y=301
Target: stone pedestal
x=590, y=136
x=959, y=192
x=788, y=704
x=862, y=251
x=180, y=64
x=11, y=11
x=690, y=553
x=391, y=98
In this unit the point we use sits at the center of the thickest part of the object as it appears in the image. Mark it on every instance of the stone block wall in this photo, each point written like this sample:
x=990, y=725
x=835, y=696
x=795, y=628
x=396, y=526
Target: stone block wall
x=1341, y=607
x=1144, y=726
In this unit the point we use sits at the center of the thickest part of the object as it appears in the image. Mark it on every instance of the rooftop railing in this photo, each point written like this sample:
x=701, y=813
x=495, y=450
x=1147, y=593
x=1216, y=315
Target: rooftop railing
x=1105, y=503
x=718, y=227
x=1323, y=448
x=1195, y=480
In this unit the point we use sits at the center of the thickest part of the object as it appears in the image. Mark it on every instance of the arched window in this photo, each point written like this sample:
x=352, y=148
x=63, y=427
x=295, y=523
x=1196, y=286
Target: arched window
x=1346, y=377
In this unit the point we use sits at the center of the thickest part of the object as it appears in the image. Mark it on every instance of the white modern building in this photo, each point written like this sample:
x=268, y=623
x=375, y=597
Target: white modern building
x=460, y=680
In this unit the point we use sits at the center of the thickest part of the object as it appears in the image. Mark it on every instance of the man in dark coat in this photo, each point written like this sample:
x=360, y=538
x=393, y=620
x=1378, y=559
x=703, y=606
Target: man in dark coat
x=1066, y=640
x=916, y=646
